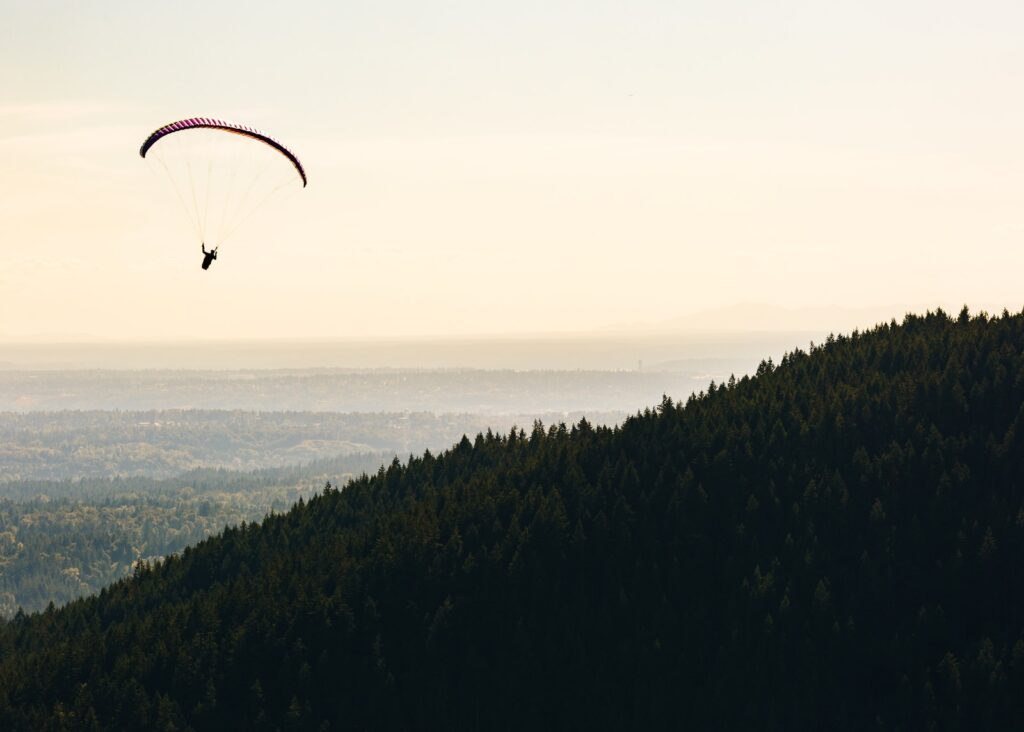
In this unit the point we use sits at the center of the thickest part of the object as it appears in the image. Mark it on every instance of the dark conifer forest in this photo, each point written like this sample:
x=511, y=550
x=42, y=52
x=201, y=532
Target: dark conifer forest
x=833, y=543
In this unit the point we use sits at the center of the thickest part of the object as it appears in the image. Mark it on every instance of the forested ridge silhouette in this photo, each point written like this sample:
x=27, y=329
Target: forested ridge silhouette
x=832, y=543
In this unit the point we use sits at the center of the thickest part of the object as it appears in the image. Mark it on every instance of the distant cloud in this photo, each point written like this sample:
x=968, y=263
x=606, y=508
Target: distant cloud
x=56, y=110
x=93, y=137
x=15, y=270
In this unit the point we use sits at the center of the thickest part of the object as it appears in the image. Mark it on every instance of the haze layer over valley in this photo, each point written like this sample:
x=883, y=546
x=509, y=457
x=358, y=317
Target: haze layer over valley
x=112, y=454
x=78, y=410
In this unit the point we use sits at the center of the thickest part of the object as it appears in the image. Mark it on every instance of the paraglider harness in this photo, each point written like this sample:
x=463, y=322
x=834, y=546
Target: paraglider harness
x=208, y=256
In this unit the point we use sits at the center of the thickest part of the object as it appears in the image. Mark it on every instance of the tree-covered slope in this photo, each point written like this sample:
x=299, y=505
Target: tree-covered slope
x=834, y=543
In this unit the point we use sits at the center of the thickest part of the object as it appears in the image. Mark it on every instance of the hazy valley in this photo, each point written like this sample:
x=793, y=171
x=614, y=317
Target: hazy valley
x=103, y=468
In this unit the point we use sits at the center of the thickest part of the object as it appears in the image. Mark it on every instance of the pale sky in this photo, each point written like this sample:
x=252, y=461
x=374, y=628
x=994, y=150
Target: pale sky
x=513, y=167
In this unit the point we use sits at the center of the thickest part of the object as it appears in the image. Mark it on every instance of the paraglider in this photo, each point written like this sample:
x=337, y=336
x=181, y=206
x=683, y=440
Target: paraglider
x=208, y=256
x=221, y=173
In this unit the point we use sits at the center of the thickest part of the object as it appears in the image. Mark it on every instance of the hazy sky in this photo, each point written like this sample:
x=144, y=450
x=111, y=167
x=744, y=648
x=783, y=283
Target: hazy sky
x=513, y=167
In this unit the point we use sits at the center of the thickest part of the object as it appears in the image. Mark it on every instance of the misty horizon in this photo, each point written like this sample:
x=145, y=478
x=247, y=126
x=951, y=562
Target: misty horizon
x=639, y=352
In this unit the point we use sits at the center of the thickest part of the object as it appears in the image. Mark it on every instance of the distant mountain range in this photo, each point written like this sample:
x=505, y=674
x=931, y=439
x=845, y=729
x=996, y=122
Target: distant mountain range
x=744, y=332
x=757, y=317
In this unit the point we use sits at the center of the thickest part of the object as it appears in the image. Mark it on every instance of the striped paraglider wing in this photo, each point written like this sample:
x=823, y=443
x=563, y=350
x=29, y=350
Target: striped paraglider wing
x=232, y=127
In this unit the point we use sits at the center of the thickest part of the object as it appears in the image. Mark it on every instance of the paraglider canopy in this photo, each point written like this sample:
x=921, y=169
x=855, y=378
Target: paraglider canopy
x=216, y=124
x=221, y=172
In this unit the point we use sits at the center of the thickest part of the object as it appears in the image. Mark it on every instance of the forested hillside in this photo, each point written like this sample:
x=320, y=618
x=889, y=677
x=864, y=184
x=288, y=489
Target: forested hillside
x=60, y=540
x=834, y=543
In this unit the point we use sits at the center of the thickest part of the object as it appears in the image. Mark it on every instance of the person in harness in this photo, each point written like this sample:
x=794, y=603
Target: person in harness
x=208, y=256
